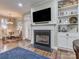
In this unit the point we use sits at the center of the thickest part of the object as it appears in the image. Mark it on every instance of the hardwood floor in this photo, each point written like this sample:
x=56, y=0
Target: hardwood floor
x=59, y=54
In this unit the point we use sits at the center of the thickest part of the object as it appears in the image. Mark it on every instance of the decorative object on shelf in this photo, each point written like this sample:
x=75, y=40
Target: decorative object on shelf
x=60, y=21
x=62, y=28
x=73, y=28
x=60, y=4
x=73, y=20
x=65, y=3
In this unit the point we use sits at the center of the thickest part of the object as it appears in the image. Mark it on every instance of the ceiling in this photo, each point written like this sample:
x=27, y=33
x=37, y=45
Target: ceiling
x=11, y=6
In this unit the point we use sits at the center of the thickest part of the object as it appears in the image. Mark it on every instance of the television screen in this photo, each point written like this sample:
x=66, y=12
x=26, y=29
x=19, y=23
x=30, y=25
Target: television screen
x=42, y=15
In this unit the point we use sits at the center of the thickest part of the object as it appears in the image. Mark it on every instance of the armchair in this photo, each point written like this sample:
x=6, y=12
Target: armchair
x=76, y=48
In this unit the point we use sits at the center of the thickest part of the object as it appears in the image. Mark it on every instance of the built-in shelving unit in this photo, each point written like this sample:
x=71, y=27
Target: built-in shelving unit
x=68, y=23
x=66, y=11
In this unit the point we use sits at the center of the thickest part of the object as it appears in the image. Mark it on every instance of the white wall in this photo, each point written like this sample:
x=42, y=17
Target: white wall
x=26, y=26
x=78, y=15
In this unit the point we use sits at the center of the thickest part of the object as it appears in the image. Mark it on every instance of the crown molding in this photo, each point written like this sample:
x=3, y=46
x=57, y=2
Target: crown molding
x=40, y=2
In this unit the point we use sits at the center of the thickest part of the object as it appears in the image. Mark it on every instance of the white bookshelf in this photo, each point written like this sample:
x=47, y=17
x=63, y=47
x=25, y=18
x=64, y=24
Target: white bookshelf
x=65, y=13
x=67, y=31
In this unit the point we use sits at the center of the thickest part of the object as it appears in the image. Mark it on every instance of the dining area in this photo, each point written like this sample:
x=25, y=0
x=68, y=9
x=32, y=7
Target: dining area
x=10, y=29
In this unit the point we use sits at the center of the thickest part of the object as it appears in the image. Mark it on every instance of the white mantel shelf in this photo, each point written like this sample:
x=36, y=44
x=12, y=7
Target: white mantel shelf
x=43, y=24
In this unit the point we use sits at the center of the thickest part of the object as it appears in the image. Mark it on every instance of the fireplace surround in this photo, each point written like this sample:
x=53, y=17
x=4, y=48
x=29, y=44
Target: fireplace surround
x=42, y=39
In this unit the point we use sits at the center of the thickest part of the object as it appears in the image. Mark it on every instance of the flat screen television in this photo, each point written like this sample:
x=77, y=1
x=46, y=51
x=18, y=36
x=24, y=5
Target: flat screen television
x=42, y=15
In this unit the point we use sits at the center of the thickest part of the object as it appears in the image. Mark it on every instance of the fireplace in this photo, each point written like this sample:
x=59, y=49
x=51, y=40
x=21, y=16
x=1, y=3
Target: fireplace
x=42, y=39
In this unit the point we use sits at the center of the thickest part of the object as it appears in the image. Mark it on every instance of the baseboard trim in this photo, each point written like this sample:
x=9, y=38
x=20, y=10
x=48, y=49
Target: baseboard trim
x=55, y=48
x=66, y=49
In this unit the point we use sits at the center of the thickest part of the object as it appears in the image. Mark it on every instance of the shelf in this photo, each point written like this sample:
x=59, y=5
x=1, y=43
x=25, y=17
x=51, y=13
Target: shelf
x=67, y=15
x=60, y=32
x=42, y=24
x=66, y=7
x=68, y=24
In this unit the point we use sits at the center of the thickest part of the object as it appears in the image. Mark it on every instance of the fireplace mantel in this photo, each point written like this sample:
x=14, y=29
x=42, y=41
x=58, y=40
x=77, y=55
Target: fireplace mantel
x=50, y=27
x=43, y=24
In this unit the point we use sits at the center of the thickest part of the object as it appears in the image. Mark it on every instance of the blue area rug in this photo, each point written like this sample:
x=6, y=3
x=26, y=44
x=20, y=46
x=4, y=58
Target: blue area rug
x=20, y=53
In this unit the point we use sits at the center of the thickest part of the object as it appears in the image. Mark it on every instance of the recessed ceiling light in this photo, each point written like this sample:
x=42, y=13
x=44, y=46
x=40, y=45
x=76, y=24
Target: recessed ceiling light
x=20, y=4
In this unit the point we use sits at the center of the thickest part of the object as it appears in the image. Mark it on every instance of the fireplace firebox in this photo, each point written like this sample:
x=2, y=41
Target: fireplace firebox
x=42, y=39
